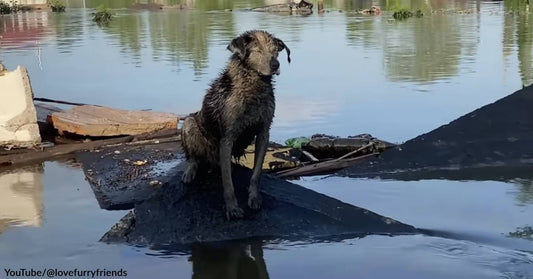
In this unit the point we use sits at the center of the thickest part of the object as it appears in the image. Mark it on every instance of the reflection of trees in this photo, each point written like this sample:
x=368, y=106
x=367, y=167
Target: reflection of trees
x=197, y=4
x=362, y=30
x=111, y=4
x=354, y=5
x=423, y=49
x=176, y=36
x=186, y=34
x=392, y=5
x=525, y=196
x=518, y=30
x=130, y=31
x=429, y=48
x=67, y=33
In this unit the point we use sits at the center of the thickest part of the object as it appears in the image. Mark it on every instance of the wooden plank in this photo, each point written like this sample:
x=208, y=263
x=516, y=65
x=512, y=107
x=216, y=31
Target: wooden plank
x=96, y=121
x=322, y=167
x=34, y=156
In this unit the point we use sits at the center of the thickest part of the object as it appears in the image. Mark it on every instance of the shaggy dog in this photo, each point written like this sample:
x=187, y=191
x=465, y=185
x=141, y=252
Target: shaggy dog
x=238, y=108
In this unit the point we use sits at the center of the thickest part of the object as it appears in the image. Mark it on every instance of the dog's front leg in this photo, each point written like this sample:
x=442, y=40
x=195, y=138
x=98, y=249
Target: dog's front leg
x=232, y=206
x=261, y=144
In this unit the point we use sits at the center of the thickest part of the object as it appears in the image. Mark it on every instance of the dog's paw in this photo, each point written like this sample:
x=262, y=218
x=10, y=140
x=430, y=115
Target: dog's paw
x=234, y=212
x=254, y=201
x=187, y=177
x=189, y=174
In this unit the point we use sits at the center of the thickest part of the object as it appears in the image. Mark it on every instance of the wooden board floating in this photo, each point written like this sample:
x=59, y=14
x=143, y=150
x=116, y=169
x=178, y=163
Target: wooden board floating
x=96, y=121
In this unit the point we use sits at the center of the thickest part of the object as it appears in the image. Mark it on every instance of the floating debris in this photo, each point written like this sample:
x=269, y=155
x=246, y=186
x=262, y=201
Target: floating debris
x=523, y=232
x=404, y=14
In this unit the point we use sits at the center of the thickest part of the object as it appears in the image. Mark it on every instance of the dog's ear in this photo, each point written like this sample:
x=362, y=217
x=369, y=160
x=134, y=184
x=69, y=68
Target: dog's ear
x=239, y=45
x=282, y=46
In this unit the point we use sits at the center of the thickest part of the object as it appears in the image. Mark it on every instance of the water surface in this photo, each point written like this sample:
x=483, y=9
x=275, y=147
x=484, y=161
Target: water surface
x=350, y=74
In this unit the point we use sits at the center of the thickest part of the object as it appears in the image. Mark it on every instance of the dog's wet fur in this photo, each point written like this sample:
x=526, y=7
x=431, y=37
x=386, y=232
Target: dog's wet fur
x=237, y=109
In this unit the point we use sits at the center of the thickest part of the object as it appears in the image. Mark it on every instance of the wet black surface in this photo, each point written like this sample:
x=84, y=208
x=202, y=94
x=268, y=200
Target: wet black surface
x=493, y=142
x=125, y=174
x=171, y=213
x=179, y=214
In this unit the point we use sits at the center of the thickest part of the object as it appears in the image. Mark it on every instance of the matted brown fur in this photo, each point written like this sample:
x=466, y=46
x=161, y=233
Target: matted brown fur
x=238, y=108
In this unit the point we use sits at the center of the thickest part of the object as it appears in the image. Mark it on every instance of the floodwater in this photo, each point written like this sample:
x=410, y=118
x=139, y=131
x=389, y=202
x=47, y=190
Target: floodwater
x=350, y=74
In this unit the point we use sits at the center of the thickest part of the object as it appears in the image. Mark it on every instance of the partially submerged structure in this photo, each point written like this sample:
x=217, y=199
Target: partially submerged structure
x=166, y=212
x=492, y=142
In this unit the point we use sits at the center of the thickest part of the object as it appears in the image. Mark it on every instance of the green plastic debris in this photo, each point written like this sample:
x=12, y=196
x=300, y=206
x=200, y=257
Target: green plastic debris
x=297, y=142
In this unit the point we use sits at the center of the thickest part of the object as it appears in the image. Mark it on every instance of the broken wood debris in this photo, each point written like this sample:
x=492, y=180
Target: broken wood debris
x=324, y=167
x=33, y=156
x=97, y=121
x=89, y=127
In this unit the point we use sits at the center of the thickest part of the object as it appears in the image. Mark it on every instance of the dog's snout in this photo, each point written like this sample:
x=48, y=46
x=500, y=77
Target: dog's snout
x=274, y=64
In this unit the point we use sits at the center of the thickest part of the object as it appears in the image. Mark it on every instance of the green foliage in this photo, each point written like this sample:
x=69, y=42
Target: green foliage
x=404, y=14
x=4, y=8
x=11, y=7
x=517, y=6
x=57, y=6
x=297, y=142
x=103, y=16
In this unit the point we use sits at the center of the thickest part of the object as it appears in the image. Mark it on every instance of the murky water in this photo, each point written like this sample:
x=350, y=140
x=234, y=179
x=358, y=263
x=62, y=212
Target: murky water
x=350, y=74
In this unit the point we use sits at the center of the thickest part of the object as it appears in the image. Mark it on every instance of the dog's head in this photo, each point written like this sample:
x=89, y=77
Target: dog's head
x=258, y=50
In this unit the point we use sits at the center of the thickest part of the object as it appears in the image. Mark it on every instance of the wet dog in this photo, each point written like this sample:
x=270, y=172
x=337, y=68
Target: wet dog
x=237, y=109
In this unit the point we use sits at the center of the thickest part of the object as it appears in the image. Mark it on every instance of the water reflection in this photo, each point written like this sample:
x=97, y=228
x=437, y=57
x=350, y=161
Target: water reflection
x=68, y=30
x=346, y=65
x=22, y=30
x=114, y=4
x=525, y=191
x=240, y=260
x=391, y=5
x=21, y=197
x=186, y=35
x=205, y=5
x=518, y=32
x=421, y=50
x=431, y=49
